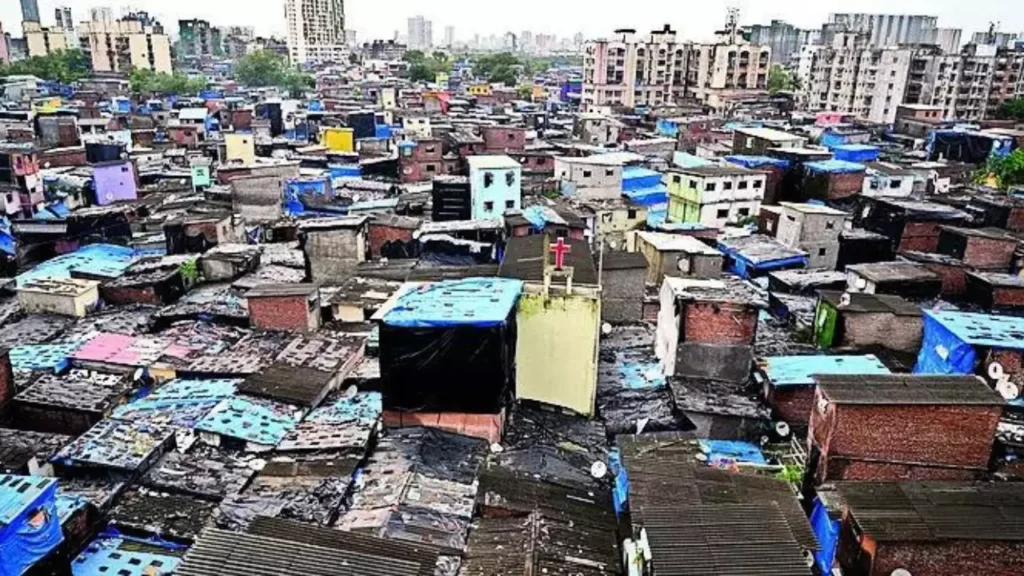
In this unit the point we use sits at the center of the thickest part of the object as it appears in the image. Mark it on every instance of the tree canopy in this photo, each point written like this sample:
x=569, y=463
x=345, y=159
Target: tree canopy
x=1012, y=109
x=265, y=68
x=145, y=81
x=423, y=68
x=781, y=80
x=1006, y=171
x=65, y=66
x=499, y=68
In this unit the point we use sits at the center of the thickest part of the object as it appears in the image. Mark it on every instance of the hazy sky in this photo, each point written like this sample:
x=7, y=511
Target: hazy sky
x=696, y=19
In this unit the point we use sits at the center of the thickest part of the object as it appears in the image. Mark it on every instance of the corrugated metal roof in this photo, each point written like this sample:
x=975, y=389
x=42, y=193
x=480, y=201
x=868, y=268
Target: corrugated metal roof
x=291, y=384
x=936, y=511
x=907, y=389
x=223, y=553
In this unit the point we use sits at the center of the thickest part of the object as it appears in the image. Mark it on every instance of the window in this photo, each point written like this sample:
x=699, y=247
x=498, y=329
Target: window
x=511, y=137
x=488, y=206
x=510, y=204
x=677, y=179
x=726, y=185
x=744, y=184
x=429, y=149
x=693, y=184
x=723, y=213
x=488, y=179
x=744, y=211
x=631, y=214
x=830, y=225
x=124, y=169
x=894, y=184
x=510, y=178
x=609, y=172
x=822, y=251
x=710, y=186
x=538, y=161
x=587, y=173
x=758, y=184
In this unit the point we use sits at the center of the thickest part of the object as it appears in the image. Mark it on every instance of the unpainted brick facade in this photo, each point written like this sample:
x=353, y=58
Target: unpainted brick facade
x=503, y=138
x=900, y=442
x=946, y=558
x=385, y=240
x=285, y=313
x=919, y=237
x=719, y=323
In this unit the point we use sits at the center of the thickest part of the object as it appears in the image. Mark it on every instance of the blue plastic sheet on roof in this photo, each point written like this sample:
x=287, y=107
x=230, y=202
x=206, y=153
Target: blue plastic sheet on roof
x=757, y=161
x=22, y=541
x=637, y=371
x=105, y=260
x=799, y=370
x=251, y=419
x=652, y=196
x=345, y=170
x=68, y=505
x=52, y=357
x=7, y=243
x=637, y=178
x=687, y=160
x=856, y=153
x=834, y=167
x=537, y=216
x=107, y=556
x=826, y=530
x=720, y=452
x=59, y=209
x=363, y=407
x=620, y=490
x=180, y=402
x=382, y=131
x=479, y=302
x=950, y=338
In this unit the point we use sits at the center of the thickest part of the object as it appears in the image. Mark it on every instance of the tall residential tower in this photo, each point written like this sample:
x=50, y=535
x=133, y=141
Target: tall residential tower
x=316, y=30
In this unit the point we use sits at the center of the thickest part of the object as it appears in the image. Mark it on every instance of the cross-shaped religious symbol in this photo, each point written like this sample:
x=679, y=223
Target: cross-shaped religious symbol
x=560, y=248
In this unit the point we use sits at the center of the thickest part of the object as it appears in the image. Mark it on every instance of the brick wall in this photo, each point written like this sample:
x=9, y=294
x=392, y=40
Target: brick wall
x=6, y=376
x=623, y=296
x=1015, y=222
x=954, y=278
x=919, y=237
x=58, y=158
x=719, y=323
x=379, y=235
x=285, y=313
x=861, y=330
x=427, y=151
x=503, y=138
x=942, y=436
x=412, y=171
x=792, y=403
x=950, y=558
x=989, y=254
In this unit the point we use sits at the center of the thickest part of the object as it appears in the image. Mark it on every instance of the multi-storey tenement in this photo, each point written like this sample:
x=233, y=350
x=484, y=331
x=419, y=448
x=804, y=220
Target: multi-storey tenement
x=849, y=76
x=1007, y=78
x=933, y=80
x=135, y=41
x=632, y=71
x=976, y=70
x=198, y=40
x=316, y=30
x=729, y=66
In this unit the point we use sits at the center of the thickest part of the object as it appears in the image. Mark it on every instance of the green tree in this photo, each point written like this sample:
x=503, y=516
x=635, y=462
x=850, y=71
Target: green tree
x=506, y=76
x=145, y=81
x=414, y=56
x=440, y=56
x=780, y=80
x=296, y=83
x=1012, y=109
x=261, y=68
x=495, y=64
x=64, y=66
x=1007, y=171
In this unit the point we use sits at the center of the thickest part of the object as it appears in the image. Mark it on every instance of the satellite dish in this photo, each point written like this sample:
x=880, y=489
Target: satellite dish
x=861, y=283
x=901, y=572
x=606, y=328
x=809, y=558
x=782, y=429
x=995, y=371
x=598, y=469
x=822, y=405
x=1008, y=390
x=845, y=300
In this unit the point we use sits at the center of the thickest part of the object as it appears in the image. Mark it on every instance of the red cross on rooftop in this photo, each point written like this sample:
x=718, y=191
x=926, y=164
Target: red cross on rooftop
x=560, y=249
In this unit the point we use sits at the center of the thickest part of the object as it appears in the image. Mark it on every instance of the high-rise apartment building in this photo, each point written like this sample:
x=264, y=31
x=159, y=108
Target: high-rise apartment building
x=42, y=40
x=135, y=41
x=237, y=39
x=316, y=30
x=888, y=30
x=728, y=67
x=851, y=76
x=62, y=15
x=934, y=80
x=629, y=70
x=449, y=36
x=421, y=33
x=784, y=39
x=30, y=11
x=104, y=15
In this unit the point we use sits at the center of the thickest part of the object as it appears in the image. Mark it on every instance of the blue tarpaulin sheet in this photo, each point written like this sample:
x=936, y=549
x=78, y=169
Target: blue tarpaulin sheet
x=345, y=171
x=24, y=542
x=652, y=196
x=757, y=161
x=827, y=532
x=106, y=260
x=856, y=153
x=107, y=555
x=687, y=160
x=480, y=302
x=799, y=370
x=620, y=491
x=728, y=451
x=636, y=178
x=834, y=167
x=950, y=338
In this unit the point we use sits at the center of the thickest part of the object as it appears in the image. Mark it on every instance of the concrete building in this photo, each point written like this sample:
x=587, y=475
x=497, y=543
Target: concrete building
x=977, y=68
x=42, y=40
x=449, y=36
x=851, y=77
x=496, y=185
x=677, y=255
x=589, y=178
x=630, y=71
x=135, y=41
x=812, y=228
x=286, y=307
x=67, y=296
x=198, y=40
x=421, y=33
x=714, y=195
x=784, y=40
x=886, y=30
x=316, y=30
x=334, y=247
x=62, y=15
x=729, y=67
x=933, y=80
x=30, y=11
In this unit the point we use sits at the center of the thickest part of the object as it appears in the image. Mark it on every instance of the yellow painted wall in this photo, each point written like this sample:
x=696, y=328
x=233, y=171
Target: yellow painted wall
x=480, y=90
x=240, y=147
x=556, y=348
x=339, y=139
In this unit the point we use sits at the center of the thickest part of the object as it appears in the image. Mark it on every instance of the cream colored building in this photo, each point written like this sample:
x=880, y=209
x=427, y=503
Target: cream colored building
x=43, y=40
x=729, y=67
x=316, y=30
x=630, y=71
x=120, y=45
x=850, y=77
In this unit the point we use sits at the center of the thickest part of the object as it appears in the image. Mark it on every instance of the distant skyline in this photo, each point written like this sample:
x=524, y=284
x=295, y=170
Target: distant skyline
x=594, y=18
